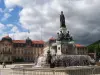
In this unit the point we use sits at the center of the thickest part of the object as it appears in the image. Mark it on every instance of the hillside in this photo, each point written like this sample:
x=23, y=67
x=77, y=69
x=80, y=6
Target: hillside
x=94, y=46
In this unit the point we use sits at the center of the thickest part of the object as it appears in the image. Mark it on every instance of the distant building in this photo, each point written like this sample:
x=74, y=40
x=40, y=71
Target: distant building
x=81, y=50
x=26, y=50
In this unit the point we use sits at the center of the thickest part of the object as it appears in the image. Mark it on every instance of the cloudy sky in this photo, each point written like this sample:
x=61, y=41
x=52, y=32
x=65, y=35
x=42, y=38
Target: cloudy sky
x=41, y=17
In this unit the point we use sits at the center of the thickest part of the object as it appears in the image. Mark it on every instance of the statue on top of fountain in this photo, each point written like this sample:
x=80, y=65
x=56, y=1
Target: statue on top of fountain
x=62, y=20
x=63, y=53
x=62, y=36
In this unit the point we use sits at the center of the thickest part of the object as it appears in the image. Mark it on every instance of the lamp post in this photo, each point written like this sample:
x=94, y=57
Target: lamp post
x=2, y=56
x=95, y=56
x=3, y=59
x=96, y=52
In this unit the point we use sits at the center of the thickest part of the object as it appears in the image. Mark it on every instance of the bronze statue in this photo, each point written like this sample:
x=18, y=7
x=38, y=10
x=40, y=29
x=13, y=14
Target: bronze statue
x=62, y=20
x=58, y=38
x=49, y=57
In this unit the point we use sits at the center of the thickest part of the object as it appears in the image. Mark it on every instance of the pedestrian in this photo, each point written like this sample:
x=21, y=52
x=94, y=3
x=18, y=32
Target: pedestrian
x=4, y=65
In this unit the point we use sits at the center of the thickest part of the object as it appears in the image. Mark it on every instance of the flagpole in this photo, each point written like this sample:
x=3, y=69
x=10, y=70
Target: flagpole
x=13, y=35
x=28, y=32
x=41, y=32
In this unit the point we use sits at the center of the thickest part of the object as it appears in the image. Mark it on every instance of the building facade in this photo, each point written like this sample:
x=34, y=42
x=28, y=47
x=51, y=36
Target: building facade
x=81, y=50
x=20, y=50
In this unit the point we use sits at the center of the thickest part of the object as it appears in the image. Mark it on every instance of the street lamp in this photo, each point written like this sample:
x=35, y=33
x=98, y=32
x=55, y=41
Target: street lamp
x=95, y=53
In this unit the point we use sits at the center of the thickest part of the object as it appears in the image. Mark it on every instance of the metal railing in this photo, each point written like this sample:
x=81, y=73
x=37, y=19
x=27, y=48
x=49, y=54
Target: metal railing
x=57, y=71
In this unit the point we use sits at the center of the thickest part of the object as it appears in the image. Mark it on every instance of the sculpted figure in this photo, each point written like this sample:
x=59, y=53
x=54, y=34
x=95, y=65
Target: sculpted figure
x=62, y=20
x=58, y=38
x=71, y=38
x=67, y=36
x=61, y=35
x=49, y=57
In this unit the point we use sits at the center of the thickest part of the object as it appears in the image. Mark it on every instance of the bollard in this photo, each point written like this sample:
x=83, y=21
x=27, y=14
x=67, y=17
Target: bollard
x=23, y=72
x=93, y=71
x=53, y=72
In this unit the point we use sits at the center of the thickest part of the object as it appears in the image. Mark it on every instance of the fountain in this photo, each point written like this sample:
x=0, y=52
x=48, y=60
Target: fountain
x=41, y=60
x=63, y=52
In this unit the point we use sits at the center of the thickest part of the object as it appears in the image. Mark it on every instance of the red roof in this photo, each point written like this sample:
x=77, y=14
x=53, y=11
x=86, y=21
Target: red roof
x=52, y=38
x=79, y=45
x=33, y=42
x=24, y=41
x=19, y=41
x=37, y=42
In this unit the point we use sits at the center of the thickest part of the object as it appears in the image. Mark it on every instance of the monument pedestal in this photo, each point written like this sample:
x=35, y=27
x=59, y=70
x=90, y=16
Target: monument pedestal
x=65, y=47
x=63, y=30
x=59, y=48
x=65, y=43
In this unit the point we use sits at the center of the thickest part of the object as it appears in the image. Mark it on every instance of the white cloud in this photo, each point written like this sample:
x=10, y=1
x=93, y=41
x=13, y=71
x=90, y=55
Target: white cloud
x=82, y=17
x=11, y=3
x=10, y=25
x=5, y=17
x=11, y=9
x=15, y=29
x=2, y=27
x=1, y=10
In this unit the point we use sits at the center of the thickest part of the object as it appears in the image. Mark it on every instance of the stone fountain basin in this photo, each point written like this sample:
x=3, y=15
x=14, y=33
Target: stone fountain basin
x=24, y=66
x=72, y=70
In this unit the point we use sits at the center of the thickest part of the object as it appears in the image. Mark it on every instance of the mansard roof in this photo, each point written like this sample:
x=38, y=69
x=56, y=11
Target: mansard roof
x=37, y=42
x=19, y=41
x=24, y=41
x=33, y=42
x=79, y=45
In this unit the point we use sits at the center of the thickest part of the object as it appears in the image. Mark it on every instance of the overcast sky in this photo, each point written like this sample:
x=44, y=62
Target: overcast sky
x=82, y=19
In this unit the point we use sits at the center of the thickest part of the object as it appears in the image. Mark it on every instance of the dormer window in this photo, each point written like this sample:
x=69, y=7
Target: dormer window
x=28, y=41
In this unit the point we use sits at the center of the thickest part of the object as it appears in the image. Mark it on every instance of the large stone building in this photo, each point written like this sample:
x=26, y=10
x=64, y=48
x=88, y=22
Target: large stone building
x=20, y=50
x=27, y=50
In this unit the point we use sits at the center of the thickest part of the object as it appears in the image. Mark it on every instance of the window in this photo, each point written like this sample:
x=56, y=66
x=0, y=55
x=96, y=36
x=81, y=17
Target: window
x=9, y=44
x=3, y=50
x=22, y=51
x=3, y=44
x=58, y=48
x=34, y=45
x=37, y=45
x=8, y=58
x=9, y=49
x=41, y=45
x=21, y=45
